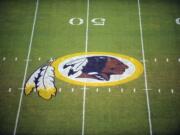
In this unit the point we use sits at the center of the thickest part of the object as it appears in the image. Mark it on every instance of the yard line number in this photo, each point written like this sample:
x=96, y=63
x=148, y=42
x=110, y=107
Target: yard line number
x=94, y=21
x=178, y=21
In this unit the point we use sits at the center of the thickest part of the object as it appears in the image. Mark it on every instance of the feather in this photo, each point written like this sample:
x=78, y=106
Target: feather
x=76, y=65
x=30, y=84
x=43, y=81
x=45, y=85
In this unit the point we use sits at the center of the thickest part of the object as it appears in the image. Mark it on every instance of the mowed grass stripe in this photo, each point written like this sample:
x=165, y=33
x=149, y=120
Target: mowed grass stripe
x=14, y=39
x=161, y=37
x=145, y=73
x=26, y=68
x=116, y=113
x=55, y=37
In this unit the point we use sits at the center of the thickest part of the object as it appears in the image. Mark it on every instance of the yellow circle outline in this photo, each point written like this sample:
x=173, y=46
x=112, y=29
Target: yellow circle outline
x=135, y=75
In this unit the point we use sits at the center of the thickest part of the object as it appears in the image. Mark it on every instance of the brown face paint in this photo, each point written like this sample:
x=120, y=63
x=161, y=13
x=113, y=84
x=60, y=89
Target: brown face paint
x=114, y=66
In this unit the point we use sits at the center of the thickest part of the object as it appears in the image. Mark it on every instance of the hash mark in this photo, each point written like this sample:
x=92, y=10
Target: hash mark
x=155, y=59
x=109, y=89
x=16, y=59
x=59, y=90
x=4, y=58
x=134, y=90
x=122, y=90
x=167, y=59
x=172, y=91
x=159, y=90
x=72, y=89
x=39, y=58
x=97, y=90
x=9, y=90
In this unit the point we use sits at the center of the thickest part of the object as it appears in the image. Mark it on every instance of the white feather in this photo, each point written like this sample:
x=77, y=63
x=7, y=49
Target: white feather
x=79, y=66
x=75, y=61
x=30, y=84
x=45, y=86
x=76, y=65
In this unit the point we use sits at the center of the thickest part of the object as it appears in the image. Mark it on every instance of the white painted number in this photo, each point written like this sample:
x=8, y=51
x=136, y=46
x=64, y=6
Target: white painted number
x=98, y=21
x=76, y=21
x=178, y=21
x=80, y=21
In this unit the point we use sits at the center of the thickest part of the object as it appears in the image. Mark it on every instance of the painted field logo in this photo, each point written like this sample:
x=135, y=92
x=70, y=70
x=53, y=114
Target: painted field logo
x=92, y=69
x=97, y=69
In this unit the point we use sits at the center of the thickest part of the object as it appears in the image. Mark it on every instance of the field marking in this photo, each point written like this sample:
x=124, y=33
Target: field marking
x=134, y=90
x=26, y=68
x=85, y=87
x=59, y=90
x=71, y=21
x=167, y=59
x=172, y=91
x=16, y=59
x=87, y=27
x=159, y=90
x=155, y=59
x=9, y=90
x=144, y=63
x=4, y=58
x=122, y=90
x=39, y=59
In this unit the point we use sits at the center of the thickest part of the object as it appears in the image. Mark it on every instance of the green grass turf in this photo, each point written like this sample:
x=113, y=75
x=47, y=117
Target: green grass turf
x=107, y=113
x=162, y=38
x=16, y=24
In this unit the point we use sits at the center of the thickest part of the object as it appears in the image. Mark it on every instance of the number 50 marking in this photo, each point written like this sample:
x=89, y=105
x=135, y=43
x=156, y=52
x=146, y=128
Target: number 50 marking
x=94, y=21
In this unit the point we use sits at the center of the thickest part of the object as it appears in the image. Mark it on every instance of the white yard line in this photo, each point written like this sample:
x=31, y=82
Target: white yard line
x=85, y=87
x=87, y=27
x=26, y=68
x=145, y=73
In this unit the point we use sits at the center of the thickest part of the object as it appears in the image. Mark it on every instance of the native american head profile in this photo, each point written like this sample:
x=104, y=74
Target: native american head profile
x=96, y=67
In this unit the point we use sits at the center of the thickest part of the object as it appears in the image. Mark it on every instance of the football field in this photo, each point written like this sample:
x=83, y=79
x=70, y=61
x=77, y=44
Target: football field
x=34, y=32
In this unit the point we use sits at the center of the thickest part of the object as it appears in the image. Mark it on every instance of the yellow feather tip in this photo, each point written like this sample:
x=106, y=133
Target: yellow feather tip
x=47, y=93
x=29, y=88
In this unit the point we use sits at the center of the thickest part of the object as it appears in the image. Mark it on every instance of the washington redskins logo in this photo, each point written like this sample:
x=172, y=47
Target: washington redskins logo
x=90, y=69
x=97, y=68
